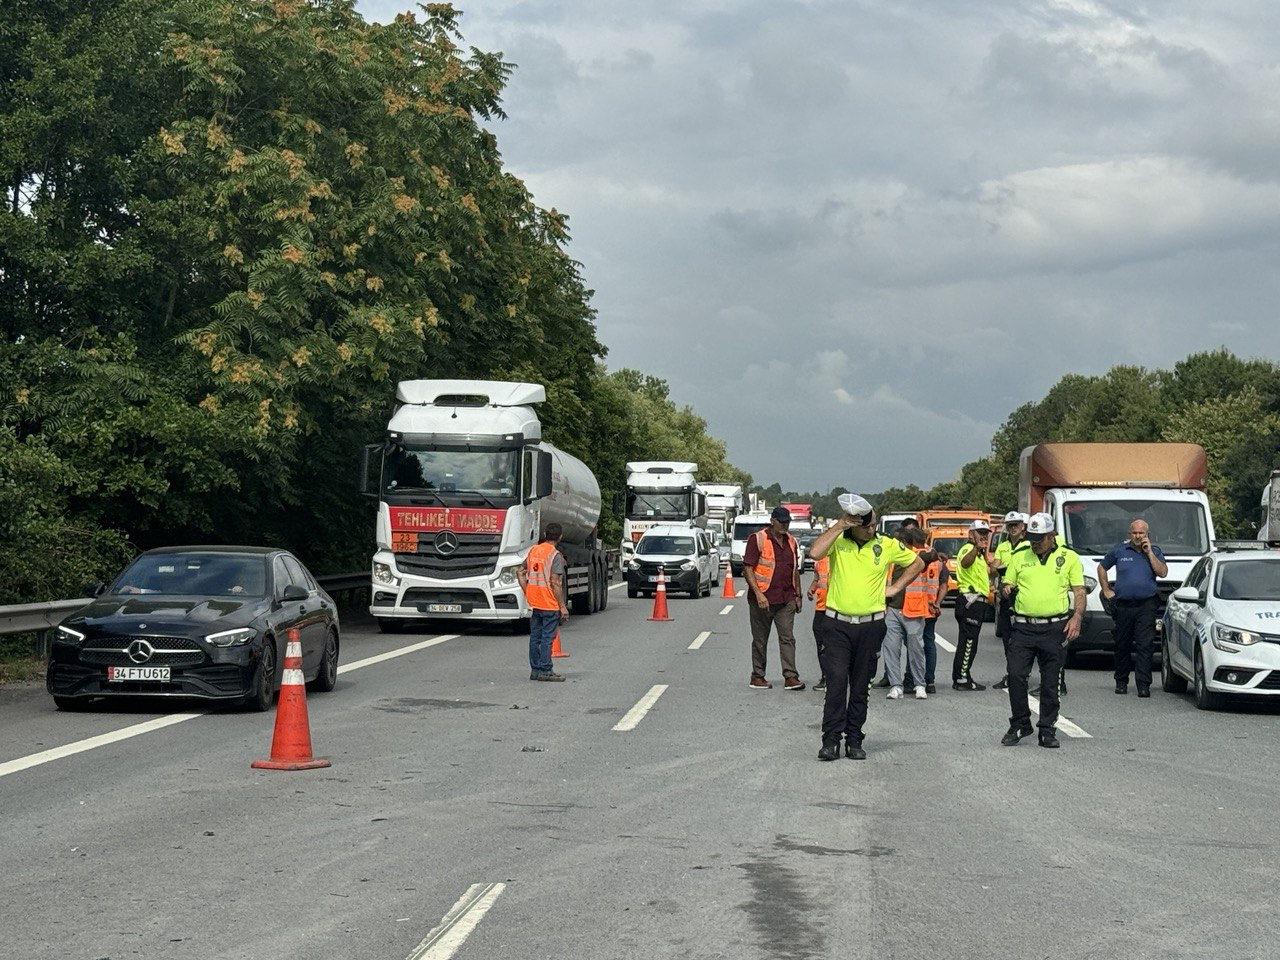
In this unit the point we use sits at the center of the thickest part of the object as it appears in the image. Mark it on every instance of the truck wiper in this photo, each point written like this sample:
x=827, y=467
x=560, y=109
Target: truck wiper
x=462, y=495
x=418, y=491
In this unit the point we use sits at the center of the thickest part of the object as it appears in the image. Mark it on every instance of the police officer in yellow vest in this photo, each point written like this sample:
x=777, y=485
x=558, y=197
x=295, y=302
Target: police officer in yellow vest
x=1014, y=542
x=1047, y=612
x=974, y=562
x=856, y=594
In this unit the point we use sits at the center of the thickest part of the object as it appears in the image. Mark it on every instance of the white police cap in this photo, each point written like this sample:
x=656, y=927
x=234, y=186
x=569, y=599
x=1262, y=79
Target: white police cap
x=1013, y=516
x=979, y=525
x=1040, y=523
x=854, y=505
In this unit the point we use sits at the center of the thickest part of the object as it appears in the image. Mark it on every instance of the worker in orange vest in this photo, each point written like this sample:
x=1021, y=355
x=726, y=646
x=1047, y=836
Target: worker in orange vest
x=818, y=594
x=771, y=565
x=907, y=614
x=542, y=579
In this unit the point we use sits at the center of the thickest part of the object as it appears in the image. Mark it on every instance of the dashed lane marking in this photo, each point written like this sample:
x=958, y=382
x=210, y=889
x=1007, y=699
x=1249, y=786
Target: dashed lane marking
x=699, y=640
x=944, y=643
x=1069, y=727
x=159, y=723
x=741, y=593
x=637, y=713
x=452, y=932
x=618, y=586
x=727, y=608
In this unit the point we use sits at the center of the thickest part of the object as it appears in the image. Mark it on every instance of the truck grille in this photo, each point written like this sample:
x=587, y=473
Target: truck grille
x=474, y=556
x=416, y=595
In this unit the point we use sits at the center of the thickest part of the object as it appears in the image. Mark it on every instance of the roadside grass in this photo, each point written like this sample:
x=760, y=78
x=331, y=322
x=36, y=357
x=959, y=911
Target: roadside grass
x=18, y=663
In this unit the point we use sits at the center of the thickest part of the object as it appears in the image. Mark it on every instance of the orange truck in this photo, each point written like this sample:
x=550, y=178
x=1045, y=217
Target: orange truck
x=951, y=517
x=949, y=540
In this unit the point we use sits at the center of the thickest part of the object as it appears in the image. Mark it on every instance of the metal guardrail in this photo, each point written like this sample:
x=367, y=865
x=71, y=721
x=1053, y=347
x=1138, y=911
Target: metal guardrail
x=38, y=617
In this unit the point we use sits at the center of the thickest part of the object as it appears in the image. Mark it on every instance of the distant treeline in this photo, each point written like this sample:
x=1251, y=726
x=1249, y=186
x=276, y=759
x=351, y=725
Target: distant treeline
x=228, y=229
x=1228, y=405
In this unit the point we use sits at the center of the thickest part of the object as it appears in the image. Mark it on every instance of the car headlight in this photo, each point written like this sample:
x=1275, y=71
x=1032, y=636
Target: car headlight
x=382, y=573
x=633, y=564
x=1090, y=584
x=1230, y=640
x=231, y=638
x=688, y=565
x=508, y=576
x=67, y=635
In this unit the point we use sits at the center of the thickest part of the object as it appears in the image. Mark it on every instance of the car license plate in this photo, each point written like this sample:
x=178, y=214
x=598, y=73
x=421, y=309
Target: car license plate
x=126, y=674
x=444, y=608
x=654, y=579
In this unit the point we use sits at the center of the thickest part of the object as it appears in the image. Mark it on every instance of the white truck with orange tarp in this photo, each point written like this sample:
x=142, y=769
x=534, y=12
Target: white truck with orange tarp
x=1094, y=490
x=465, y=486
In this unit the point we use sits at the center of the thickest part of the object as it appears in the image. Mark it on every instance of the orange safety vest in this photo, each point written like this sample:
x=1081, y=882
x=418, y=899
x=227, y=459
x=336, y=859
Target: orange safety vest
x=764, y=566
x=822, y=575
x=537, y=587
x=922, y=591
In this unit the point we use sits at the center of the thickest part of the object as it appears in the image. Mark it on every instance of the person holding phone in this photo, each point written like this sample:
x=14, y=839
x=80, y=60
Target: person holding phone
x=857, y=590
x=974, y=563
x=1138, y=564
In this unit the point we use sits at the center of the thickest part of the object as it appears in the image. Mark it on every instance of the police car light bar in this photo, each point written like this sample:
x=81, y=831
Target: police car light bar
x=1231, y=546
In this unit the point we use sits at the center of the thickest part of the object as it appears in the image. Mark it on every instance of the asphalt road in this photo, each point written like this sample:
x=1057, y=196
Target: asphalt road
x=471, y=813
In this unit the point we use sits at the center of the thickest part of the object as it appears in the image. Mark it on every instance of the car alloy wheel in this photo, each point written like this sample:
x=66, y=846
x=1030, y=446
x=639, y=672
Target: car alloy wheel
x=264, y=687
x=327, y=677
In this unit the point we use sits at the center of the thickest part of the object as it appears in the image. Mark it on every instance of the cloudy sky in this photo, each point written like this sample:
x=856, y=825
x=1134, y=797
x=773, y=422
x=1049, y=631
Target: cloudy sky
x=855, y=234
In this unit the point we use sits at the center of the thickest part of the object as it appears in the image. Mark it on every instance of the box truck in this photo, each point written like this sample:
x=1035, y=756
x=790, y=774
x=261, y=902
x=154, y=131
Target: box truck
x=1094, y=490
x=465, y=485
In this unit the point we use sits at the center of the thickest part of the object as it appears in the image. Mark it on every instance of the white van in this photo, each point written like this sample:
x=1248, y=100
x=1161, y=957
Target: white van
x=684, y=553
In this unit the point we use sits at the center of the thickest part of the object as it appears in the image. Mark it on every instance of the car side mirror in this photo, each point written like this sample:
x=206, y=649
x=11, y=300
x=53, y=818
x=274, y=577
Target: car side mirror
x=366, y=484
x=1188, y=595
x=293, y=593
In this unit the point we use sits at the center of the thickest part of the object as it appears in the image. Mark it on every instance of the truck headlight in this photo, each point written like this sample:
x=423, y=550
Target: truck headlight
x=508, y=576
x=382, y=573
x=67, y=635
x=231, y=638
x=1230, y=640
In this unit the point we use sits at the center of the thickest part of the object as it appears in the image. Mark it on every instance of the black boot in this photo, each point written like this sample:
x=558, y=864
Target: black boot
x=969, y=684
x=854, y=751
x=1015, y=734
x=1122, y=686
x=830, y=750
x=821, y=684
x=1049, y=739
x=1001, y=684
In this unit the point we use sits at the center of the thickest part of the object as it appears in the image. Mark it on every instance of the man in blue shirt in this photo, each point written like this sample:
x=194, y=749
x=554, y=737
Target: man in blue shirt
x=1138, y=563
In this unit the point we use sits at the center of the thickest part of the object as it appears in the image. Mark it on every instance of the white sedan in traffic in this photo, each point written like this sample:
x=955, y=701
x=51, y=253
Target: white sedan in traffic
x=1222, y=627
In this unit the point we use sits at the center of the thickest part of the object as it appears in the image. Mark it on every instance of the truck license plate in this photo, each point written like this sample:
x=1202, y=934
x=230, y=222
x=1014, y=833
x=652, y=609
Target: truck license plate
x=126, y=674
x=444, y=608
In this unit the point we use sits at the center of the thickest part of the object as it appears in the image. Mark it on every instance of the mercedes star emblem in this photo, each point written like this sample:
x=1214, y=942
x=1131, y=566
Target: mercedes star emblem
x=446, y=542
x=140, y=651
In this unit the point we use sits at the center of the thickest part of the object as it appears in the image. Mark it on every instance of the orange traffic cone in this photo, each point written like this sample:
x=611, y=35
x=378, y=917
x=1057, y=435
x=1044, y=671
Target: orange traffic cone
x=660, y=597
x=291, y=742
x=555, y=645
x=729, y=591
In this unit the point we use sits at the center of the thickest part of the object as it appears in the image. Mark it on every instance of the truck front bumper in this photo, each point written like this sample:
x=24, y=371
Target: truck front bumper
x=493, y=597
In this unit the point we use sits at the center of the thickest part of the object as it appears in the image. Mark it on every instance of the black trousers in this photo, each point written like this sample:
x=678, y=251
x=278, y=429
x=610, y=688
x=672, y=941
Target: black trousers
x=820, y=625
x=970, y=616
x=1031, y=643
x=1135, y=622
x=851, y=651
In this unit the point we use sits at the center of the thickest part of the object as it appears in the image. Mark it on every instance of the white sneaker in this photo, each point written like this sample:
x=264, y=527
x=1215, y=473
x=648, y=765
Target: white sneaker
x=922, y=693
x=895, y=693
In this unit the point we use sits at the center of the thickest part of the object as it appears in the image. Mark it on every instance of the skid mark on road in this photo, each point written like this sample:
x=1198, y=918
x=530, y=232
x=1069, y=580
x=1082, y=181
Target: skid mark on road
x=637, y=713
x=159, y=723
x=699, y=640
x=452, y=932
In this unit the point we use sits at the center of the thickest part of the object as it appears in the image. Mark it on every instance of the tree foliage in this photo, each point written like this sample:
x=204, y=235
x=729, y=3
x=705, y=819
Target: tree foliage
x=228, y=230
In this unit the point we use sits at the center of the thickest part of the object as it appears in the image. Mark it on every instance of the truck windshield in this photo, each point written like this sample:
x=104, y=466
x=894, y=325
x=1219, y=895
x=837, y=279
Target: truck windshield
x=948, y=545
x=657, y=546
x=742, y=531
x=1177, y=527
x=1257, y=580
x=490, y=473
x=890, y=527
x=657, y=506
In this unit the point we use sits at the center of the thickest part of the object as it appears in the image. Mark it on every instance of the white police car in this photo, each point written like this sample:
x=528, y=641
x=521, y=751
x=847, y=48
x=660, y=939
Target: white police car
x=1222, y=626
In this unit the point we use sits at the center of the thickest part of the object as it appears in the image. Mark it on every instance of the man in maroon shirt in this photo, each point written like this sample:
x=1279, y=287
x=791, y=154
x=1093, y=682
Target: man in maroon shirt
x=773, y=580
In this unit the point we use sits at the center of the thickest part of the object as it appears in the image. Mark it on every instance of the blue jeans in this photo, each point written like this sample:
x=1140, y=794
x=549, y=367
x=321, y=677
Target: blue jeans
x=930, y=649
x=542, y=630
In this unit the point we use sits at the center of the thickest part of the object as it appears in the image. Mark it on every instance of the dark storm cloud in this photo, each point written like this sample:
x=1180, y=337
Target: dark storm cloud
x=855, y=235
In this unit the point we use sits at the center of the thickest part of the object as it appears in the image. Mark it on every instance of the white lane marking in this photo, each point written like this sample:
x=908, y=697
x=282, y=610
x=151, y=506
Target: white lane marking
x=159, y=723
x=727, y=608
x=618, y=586
x=943, y=642
x=398, y=652
x=741, y=593
x=1068, y=727
x=452, y=932
x=699, y=640
x=636, y=713
x=101, y=740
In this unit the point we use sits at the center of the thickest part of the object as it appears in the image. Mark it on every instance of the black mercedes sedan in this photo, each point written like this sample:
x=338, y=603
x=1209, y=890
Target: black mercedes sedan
x=206, y=622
